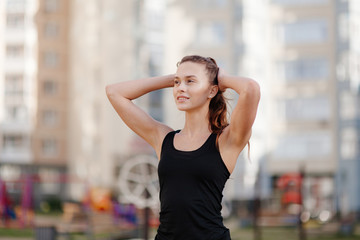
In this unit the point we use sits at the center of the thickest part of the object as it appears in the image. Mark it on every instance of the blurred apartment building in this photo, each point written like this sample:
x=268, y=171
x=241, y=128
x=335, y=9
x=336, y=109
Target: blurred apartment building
x=348, y=101
x=50, y=133
x=18, y=78
x=33, y=78
x=303, y=55
x=310, y=47
x=56, y=121
x=111, y=41
x=303, y=93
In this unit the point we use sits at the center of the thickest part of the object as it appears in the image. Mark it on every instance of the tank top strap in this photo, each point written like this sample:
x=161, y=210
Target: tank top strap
x=168, y=141
x=211, y=142
x=212, y=138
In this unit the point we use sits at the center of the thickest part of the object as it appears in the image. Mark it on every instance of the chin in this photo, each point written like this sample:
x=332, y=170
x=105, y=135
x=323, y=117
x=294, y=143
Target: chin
x=183, y=109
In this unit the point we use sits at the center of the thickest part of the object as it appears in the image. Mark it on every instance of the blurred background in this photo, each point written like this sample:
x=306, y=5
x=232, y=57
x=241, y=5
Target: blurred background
x=66, y=157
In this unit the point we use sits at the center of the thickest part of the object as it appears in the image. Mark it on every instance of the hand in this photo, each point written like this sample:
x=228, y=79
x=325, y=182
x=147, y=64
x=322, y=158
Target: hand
x=221, y=76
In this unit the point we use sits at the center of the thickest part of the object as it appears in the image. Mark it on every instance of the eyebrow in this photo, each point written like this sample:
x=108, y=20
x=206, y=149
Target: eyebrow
x=188, y=76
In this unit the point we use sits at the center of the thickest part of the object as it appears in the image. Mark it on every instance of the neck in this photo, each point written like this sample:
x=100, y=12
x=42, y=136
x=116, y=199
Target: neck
x=197, y=122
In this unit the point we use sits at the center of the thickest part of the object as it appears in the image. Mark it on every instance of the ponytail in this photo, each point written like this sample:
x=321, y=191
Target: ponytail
x=218, y=114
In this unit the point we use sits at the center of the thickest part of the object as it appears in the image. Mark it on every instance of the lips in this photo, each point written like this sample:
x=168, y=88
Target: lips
x=182, y=98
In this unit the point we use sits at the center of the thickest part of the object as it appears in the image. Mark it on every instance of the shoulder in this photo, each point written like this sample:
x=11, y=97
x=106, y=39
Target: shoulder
x=162, y=134
x=167, y=133
x=227, y=141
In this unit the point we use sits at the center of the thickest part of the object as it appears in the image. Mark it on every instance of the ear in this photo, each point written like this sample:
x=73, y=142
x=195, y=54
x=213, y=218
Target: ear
x=213, y=91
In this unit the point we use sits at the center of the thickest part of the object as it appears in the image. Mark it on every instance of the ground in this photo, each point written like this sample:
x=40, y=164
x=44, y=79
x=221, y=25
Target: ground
x=237, y=233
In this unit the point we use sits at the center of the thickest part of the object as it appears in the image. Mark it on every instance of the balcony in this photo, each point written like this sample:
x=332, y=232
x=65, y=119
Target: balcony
x=15, y=126
x=15, y=35
x=9, y=155
x=16, y=6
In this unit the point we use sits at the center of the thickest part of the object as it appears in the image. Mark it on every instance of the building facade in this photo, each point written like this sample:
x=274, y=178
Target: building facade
x=18, y=80
x=348, y=100
x=50, y=133
x=121, y=41
x=303, y=93
x=33, y=76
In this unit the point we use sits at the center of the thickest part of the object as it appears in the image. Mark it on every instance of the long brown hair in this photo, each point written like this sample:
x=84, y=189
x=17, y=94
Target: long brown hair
x=217, y=114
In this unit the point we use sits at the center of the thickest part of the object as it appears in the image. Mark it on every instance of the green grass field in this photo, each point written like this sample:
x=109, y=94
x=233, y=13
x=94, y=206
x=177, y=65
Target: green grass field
x=266, y=233
x=236, y=234
x=283, y=233
x=16, y=233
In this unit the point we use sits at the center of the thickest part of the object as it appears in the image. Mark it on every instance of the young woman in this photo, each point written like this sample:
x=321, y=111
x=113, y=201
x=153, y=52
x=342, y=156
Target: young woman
x=196, y=161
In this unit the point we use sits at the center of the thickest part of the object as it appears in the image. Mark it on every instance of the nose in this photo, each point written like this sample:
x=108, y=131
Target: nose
x=181, y=87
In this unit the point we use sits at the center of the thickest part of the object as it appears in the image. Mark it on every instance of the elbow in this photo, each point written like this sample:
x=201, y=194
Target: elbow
x=253, y=86
x=109, y=91
x=113, y=92
x=253, y=90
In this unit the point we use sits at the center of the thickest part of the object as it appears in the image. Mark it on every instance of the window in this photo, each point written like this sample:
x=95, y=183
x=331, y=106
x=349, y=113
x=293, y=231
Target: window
x=15, y=113
x=304, y=31
x=14, y=85
x=155, y=19
x=156, y=58
x=14, y=51
x=343, y=26
x=51, y=59
x=49, y=147
x=349, y=143
x=10, y=172
x=155, y=108
x=211, y=34
x=300, y=2
x=16, y=5
x=49, y=117
x=15, y=21
x=51, y=29
x=51, y=6
x=342, y=68
x=313, y=109
x=348, y=105
x=303, y=145
x=13, y=142
x=50, y=87
x=304, y=69
x=49, y=180
x=12, y=113
x=205, y=4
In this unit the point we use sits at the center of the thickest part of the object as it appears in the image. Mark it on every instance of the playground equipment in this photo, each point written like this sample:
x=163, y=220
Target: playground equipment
x=291, y=184
x=138, y=181
x=24, y=214
x=27, y=214
x=5, y=213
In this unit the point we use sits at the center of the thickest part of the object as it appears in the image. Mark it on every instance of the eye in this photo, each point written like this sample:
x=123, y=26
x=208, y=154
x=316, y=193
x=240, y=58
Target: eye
x=190, y=80
x=176, y=82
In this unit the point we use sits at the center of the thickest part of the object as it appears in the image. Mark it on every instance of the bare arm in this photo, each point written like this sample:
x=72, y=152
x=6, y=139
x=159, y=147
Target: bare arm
x=237, y=134
x=120, y=96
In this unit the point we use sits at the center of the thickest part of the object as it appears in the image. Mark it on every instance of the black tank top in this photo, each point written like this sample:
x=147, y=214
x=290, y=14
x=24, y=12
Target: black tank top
x=191, y=185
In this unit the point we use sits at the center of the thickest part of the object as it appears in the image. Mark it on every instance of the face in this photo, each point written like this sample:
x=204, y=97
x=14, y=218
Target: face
x=192, y=89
